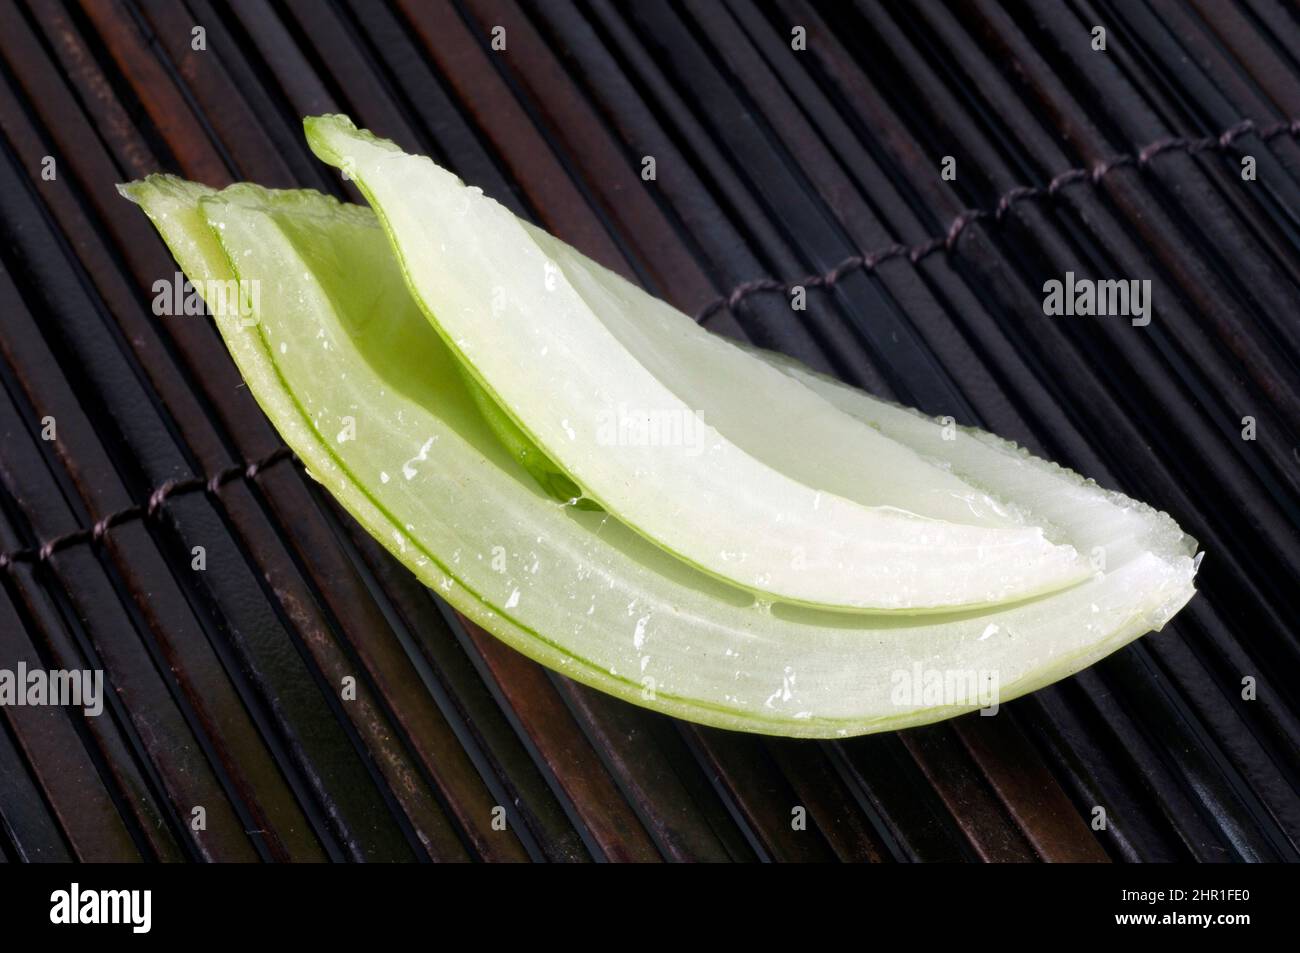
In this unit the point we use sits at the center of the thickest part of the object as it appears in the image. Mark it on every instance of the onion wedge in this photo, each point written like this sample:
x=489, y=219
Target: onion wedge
x=368, y=395
x=703, y=449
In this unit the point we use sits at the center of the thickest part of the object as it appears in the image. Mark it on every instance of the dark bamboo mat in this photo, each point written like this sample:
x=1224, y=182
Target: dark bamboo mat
x=776, y=168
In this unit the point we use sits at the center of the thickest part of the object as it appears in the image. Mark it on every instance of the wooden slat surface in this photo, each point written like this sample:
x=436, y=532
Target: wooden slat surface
x=775, y=167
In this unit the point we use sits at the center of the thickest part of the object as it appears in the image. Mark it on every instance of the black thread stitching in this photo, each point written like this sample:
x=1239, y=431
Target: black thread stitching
x=150, y=510
x=870, y=261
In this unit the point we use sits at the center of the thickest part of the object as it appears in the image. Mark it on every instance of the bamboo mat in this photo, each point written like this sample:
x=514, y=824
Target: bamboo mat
x=775, y=167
